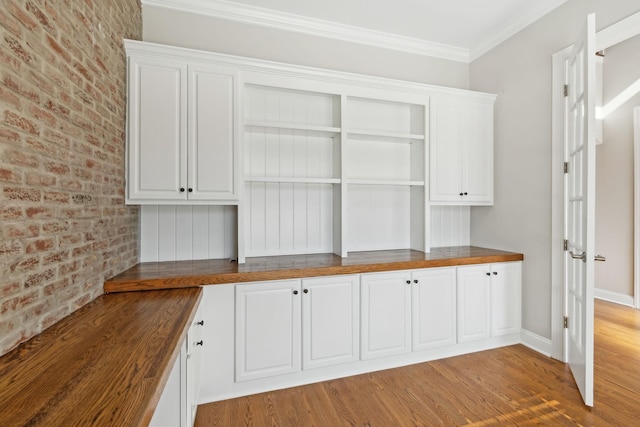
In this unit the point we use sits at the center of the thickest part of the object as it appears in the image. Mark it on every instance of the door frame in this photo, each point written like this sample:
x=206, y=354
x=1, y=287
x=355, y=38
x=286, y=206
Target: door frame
x=615, y=33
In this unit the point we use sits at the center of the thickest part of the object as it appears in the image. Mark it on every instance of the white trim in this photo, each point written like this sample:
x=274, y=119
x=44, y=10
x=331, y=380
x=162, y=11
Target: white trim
x=291, y=22
x=536, y=343
x=614, y=297
x=620, y=31
x=536, y=11
x=636, y=207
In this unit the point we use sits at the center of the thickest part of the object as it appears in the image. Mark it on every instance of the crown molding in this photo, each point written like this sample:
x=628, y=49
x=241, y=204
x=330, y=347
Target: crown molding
x=535, y=12
x=290, y=22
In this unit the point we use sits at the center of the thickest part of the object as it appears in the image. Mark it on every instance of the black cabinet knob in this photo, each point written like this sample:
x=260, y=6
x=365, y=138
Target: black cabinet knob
x=415, y=280
x=465, y=193
x=461, y=194
x=488, y=274
x=182, y=189
x=495, y=273
x=201, y=323
x=306, y=291
x=408, y=282
x=295, y=292
x=191, y=190
x=200, y=343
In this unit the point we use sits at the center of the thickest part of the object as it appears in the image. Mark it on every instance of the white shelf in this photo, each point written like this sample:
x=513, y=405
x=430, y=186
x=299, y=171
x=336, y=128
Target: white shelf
x=292, y=180
x=396, y=137
x=385, y=182
x=271, y=127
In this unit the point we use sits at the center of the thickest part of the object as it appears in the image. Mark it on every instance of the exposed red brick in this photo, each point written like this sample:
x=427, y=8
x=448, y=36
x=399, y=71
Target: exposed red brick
x=40, y=245
x=8, y=175
x=18, y=50
x=18, y=302
x=15, y=230
x=56, y=197
x=22, y=16
x=22, y=88
x=23, y=123
x=20, y=158
x=42, y=18
x=23, y=194
x=38, y=179
x=39, y=278
x=39, y=212
x=58, y=49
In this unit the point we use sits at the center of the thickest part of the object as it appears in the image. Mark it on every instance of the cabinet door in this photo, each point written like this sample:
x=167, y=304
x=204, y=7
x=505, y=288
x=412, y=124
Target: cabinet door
x=212, y=156
x=157, y=118
x=434, y=308
x=171, y=410
x=267, y=329
x=446, y=127
x=477, y=157
x=474, y=302
x=386, y=314
x=461, y=161
x=330, y=321
x=506, y=279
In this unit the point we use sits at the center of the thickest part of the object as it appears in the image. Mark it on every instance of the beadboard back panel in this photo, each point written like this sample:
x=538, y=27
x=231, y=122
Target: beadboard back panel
x=450, y=226
x=288, y=218
x=172, y=233
x=177, y=233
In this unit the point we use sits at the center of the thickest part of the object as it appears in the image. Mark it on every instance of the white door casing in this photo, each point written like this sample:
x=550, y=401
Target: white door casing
x=580, y=208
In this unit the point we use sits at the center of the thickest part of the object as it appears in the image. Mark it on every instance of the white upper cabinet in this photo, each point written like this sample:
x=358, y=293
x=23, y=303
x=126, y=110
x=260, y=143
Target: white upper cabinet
x=461, y=162
x=181, y=133
x=212, y=153
x=157, y=126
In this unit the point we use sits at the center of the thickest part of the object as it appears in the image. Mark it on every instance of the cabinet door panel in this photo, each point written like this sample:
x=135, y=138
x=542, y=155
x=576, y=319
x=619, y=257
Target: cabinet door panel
x=386, y=314
x=474, y=303
x=212, y=157
x=330, y=321
x=445, y=160
x=157, y=128
x=434, y=308
x=477, y=173
x=267, y=329
x=506, y=310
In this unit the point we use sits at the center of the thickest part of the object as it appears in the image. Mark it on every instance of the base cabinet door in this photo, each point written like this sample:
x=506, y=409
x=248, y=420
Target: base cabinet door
x=433, y=308
x=474, y=302
x=171, y=410
x=267, y=329
x=506, y=305
x=386, y=314
x=330, y=321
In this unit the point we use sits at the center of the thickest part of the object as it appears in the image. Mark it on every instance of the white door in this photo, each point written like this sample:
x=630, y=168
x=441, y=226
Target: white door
x=386, y=314
x=474, y=302
x=330, y=320
x=212, y=156
x=580, y=208
x=506, y=306
x=434, y=308
x=157, y=129
x=267, y=329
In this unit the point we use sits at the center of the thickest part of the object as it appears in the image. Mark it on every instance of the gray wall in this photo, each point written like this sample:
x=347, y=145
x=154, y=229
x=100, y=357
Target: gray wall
x=614, y=172
x=519, y=71
x=207, y=33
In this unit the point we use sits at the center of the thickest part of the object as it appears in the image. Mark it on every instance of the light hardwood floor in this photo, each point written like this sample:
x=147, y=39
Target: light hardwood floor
x=507, y=386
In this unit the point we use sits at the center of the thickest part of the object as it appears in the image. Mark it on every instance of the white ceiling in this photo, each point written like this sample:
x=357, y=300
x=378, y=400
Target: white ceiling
x=453, y=29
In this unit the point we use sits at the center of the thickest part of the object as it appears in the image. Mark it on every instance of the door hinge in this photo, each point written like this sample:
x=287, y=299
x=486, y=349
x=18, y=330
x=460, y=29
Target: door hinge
x=566, y=322
x=566, y=167
x=565, y=90
x=565, y=244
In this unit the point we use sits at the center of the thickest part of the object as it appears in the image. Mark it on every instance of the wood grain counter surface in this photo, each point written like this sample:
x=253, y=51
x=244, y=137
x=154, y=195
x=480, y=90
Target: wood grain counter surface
x=104, y=365
x=181, y=274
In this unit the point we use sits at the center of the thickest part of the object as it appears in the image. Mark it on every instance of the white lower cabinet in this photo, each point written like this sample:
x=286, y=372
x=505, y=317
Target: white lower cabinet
x=178, y=402
x=386, y=314
x=283, y=326
x=433, y=308
x=489, y=302
x=330, y=321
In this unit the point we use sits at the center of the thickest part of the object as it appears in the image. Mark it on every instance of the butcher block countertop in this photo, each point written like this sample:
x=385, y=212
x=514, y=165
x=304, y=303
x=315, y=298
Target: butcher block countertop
x=105, y=364
x=184, y=274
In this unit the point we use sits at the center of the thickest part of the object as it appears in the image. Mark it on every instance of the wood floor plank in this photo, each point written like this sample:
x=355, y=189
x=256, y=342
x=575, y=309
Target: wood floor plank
x=507, y=386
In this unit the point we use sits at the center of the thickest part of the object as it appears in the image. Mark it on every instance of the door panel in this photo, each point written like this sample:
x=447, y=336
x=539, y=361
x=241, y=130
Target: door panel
x=580, y=208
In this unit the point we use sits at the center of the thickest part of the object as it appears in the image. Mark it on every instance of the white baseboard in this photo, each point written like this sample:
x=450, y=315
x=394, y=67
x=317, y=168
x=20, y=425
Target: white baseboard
x=535, y=342
x=614, y=297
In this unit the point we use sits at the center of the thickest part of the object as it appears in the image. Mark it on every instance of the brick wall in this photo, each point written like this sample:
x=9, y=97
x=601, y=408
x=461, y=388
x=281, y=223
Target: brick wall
x=64, y=227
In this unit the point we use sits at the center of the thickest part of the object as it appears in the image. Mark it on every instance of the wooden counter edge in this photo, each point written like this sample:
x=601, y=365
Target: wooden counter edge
x=185, y=281
x=173, y=357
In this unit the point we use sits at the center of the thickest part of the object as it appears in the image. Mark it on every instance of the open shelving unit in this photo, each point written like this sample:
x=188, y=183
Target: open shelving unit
x=332, y=173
